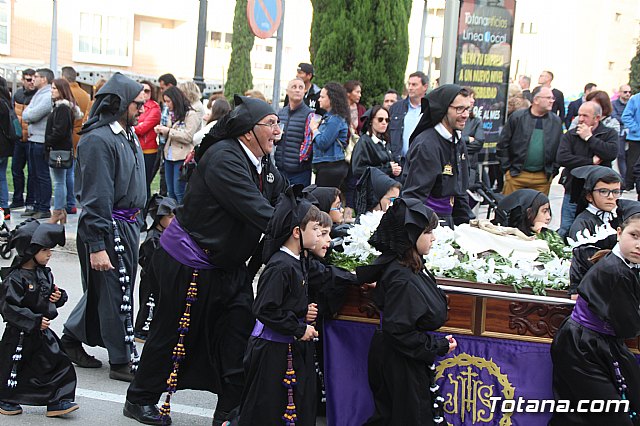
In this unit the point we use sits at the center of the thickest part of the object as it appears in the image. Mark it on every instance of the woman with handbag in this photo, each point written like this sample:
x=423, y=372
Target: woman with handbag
x=58, y=143
x=330, y=136
x=179, y=139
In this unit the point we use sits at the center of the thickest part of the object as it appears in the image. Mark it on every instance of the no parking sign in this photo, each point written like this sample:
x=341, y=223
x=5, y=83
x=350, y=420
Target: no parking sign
x=264, y=16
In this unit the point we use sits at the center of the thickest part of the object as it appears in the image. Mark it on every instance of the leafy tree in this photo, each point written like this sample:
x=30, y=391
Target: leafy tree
x=366, y=40
x=634, y=72
x=239, y=77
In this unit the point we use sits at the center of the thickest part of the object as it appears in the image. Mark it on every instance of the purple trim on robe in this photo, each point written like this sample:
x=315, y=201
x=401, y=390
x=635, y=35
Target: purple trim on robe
x=261, y=331
x=442, y=206
x=586, y=318
x=127, y=215
x=179, y=244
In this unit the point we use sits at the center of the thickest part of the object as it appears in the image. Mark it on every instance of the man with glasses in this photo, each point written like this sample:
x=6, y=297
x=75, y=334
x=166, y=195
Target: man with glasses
x=20, y=159
x=529, y=143
x=590, y=143
x=110, y=186
x=36, y=114
x=405, y=115
x=437, y=168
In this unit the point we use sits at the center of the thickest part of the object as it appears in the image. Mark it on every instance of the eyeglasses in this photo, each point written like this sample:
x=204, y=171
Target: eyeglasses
x=381, y=119
x=273, y=125
x=28, y=79
x=391, y=199
x=139, y=104
x=617, y=193
x=461, y=109
x=336, y=208
x=626, y=91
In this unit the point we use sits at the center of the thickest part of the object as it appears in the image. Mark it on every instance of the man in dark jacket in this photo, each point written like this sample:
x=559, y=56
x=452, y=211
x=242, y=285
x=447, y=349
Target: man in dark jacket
x=545, y=80
x=21, y=99
x=227, y=207
x=291, y=162
x=405, y=114
x=574, y=106
x=111, y=187
x=591, y=142
x=528, y=145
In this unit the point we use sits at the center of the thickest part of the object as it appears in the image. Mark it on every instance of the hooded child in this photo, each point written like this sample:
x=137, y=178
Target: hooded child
x=111, y=188
x=526, y=209
x=279, y=362
x=595, y=190
x=590, y=359
x=376, y=191
x=402, y=354
x=203, y=253
x=436, y=170
x=161, y=209
x=33, y=368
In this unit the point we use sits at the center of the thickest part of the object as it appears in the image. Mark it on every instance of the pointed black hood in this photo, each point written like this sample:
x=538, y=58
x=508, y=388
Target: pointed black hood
x=512, y=209
x=585, y=179
x=628, y=208
x=371, y=187
x=434, y=107
x=321, y=196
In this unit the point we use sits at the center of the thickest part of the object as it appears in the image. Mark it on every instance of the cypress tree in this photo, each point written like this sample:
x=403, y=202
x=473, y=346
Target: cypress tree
x=634, y=72
x=366, y=40
x=239, y=77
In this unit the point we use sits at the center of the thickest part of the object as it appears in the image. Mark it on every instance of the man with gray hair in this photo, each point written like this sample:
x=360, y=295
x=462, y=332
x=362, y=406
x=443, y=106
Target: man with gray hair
x=591, y=142
x=36, y=114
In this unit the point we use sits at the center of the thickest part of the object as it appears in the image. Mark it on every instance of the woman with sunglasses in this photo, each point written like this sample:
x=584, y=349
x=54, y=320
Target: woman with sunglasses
x=149, y=119
x=372, y=150
x=179, y=139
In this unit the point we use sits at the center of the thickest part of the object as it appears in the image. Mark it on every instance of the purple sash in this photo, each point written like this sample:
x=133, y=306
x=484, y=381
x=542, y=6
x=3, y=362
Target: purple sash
x=179, y=244
x=261, y=331
x=126, y=215
x=586, y=318
x=442, y=206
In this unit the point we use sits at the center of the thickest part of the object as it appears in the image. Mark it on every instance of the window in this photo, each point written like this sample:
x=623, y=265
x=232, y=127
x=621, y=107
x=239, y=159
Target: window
x=228, y=38
x=269, y=48
x=104, y=39
x=617, y=17
x=5, y=23
x=216, y=39
x=611, y=64
x=267, y=66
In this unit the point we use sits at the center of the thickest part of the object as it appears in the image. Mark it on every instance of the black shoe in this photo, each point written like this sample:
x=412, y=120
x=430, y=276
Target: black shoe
x=16, y=204
x=146, y=414
x=61, y=408
x=41, y=215
x=121, y=372
x=9, y=409
x=28, y=212
x=78, y=356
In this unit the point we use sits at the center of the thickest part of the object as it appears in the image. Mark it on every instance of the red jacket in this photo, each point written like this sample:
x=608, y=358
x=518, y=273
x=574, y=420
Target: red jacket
x=149, y=119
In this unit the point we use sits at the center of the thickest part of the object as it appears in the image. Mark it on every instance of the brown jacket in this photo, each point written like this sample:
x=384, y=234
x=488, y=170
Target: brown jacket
x=20, y=102
x=84, y=103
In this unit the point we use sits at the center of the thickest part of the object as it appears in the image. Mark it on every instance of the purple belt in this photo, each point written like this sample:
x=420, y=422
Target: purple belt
x=263, y=332
x=442, y=206
x=179, y=244
x=586, y=318
x=127, y=215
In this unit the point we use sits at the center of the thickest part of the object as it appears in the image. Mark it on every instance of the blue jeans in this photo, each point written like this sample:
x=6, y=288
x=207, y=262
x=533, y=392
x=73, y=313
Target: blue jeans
x=4, y=186
x=69, y=183
x=303, y=178
x=175, y=187
x=42, y=177
x=568, y=215
x=21, y=159
x=58, y=176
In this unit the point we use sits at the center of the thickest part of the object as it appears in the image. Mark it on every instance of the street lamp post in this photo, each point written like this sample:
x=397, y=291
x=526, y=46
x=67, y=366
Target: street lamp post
x=198, y=75
x=53, y=55
x=425, y=13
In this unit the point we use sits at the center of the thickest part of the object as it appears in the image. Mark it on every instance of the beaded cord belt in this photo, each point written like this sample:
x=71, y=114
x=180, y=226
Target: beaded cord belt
x=17, y=356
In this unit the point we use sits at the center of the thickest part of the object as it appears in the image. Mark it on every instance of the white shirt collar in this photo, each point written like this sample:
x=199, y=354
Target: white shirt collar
x=375, y=139
x=445, y=133
x=116, y=127
x=257, y=162
x=617, y=252
x=289, y=252
x=605, y=216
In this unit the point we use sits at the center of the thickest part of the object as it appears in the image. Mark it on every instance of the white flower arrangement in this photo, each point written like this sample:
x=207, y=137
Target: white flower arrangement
x=446, y=259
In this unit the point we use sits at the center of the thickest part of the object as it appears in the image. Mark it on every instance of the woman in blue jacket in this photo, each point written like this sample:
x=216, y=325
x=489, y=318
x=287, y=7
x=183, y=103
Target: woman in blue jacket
x=330, y=136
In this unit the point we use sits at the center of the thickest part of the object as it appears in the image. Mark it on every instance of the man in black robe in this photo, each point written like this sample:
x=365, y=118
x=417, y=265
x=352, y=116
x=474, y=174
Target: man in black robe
x=227, y=207
x=436, y=171
x=111, y=188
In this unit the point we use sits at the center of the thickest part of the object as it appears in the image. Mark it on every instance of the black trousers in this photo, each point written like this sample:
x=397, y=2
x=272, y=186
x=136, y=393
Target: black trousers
x=331, y=174
x=632, y=158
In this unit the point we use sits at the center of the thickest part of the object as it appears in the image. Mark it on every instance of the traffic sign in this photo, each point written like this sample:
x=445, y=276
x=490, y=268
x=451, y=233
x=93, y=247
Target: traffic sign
x=264, y=17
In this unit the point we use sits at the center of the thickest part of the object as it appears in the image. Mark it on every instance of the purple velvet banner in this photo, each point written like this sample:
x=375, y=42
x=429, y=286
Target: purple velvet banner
x=479, y=369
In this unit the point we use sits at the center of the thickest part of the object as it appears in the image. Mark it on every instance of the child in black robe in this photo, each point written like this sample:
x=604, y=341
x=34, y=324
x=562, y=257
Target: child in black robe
x=161, y=211
x=280, y=349
x=376, y=191
x=590, y=358
x=401, y=356
x=526, y=209
x=594, y=227
x=33, y=368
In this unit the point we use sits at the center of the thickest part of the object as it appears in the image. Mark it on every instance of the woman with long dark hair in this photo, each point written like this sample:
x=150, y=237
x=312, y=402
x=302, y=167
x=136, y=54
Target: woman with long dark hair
x=179, y=137
x=59, y=137
x=330, y=136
